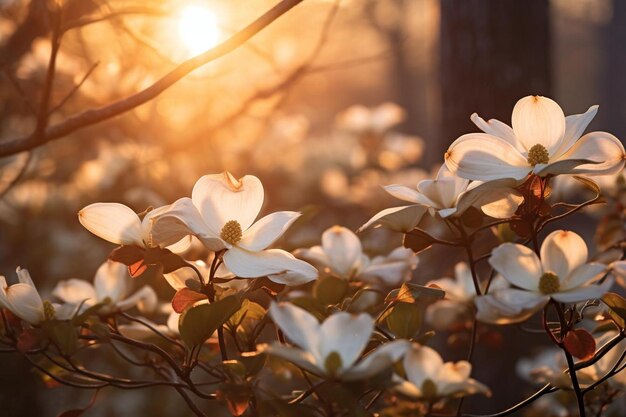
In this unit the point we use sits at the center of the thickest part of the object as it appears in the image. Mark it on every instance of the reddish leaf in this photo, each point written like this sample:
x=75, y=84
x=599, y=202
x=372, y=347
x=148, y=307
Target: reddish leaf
x=28, y=339
x=580, y=343
x=137, y=268
x=185, y=298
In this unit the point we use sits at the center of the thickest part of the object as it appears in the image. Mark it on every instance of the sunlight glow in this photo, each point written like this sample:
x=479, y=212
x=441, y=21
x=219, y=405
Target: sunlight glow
x=198, y=29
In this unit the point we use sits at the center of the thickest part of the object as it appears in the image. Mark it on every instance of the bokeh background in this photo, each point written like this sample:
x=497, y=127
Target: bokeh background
x=325, y=106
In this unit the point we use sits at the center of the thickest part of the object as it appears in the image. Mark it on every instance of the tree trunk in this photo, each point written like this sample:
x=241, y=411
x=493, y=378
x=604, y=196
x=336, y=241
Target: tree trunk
x=492, y=52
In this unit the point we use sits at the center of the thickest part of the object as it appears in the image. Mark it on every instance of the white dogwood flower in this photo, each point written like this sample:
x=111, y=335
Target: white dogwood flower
x=427, y=376
x=446, y=196
x=333, y=348
x=221, y=213
x=111, y=287
x=459, y=299
x=541, y=141
x=119, y=224
x=561, y=274
x=341, y=254
x=22, y=299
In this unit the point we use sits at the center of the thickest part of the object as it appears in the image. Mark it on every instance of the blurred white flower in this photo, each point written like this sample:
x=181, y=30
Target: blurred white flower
x=221, y=213
x=22, y=299
x=429, y=377
x=542, y=141
x=119, y=224
x=376, y=120
x=140, y=331
x=111, y=287
x=561, y=274
x=331, y=349
x=459, y=299
x=550, y=366
x=341, y=254
x=445, y=196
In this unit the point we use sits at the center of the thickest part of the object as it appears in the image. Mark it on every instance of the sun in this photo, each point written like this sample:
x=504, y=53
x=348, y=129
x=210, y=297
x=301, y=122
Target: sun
x=197, y=28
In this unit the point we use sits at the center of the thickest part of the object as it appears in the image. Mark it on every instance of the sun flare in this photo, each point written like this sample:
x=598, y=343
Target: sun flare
x=197, y=28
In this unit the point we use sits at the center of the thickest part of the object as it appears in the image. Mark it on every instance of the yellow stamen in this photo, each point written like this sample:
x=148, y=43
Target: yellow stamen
x=231, y=232
x=549, y=283
x=538, y=154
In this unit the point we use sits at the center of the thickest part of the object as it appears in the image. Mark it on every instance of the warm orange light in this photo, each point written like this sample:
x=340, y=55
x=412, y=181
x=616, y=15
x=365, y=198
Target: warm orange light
x=198, y=29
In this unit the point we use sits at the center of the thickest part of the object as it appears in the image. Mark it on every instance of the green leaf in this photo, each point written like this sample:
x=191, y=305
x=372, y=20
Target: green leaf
x=589, y=183
x=198, y=323
x=311, y=305
x=405, y=320
x=330, y=290
x=417, y=243
x=249, y=310
x=617, y=308
x=409, y=293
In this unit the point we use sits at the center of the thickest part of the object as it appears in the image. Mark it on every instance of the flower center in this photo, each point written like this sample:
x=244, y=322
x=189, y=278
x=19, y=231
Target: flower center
x=333, y=363
x=538, y=154
x=549, y=283
x=48, y=310
x=231, y=232
x=429, y=388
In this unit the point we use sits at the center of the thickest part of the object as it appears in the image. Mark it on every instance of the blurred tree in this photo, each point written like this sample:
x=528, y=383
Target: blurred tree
x=491, y=54
x=614, y=68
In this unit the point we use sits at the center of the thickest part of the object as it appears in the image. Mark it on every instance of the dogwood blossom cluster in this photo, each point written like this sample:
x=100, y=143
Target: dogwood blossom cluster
x=202, y=292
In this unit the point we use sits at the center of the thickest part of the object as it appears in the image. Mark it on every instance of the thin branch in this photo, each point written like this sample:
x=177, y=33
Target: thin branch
x=75, y=89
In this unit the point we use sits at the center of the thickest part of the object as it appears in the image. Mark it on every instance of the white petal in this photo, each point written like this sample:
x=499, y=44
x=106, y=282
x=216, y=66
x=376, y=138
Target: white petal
x=404, y=193
x=443, y=192
x=575, y=125
x=74, y=291
x=180, y=278
x=112, y=222
x=400, y=219
x=565, y=166
x=179, y=220
x=600, y=147
x=478, y=156
x=145, y=300
x=421, y=363
x=269, y=228
x=278, y=265
x=25, y=302
x=508, y=305
x=377, y=360
x=298, y=357
x=563, y=251
x=221, y=198
x=111, y=281
x=538, y=120
x=300, y=327
x=590, y=292
x=517, y=264
x=146, y=226
x=343, y=250
x=313, y=254
x=389, y=274
x=497, y=199
x=498, y=129
x=345, y=334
